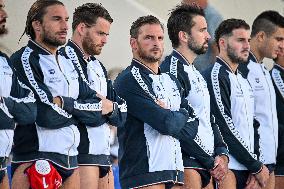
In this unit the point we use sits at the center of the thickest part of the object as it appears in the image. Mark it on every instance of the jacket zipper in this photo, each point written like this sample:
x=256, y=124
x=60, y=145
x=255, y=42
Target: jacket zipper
x=74, y=138
x=68, y=156
x=68, y=83
x=246, y=111
x=174, y=140
x=275, y=149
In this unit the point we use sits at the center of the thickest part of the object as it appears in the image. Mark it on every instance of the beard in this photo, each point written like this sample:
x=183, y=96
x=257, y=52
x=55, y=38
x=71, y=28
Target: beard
x=3, y=29
x=51, y=40
x=234, y=57
x=89, y=46
x=197, y=49
x=147, y=57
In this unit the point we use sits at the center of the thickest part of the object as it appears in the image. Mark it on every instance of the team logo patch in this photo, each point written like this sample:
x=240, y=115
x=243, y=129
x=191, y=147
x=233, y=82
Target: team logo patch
x=51, y=71
x=257, y=80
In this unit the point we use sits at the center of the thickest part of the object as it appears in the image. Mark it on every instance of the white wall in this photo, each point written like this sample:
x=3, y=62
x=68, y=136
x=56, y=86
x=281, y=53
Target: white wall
x=117, y=52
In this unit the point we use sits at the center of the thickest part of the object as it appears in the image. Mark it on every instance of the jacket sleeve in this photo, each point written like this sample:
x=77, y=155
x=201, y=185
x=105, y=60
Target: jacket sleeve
x=20, y=102
x=29, y=72
x=256, y=126
x=221, y=108
x=118, y=116
x=87, y=108
x=220, y=147
x=145, y=109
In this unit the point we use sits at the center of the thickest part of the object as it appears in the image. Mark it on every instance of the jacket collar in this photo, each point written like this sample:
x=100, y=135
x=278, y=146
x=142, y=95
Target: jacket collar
x=252, y=57
x=279, y=67
x=226, y=65
x=143, y=67
x=79, y=51
x=180, y=57
x=40, y=49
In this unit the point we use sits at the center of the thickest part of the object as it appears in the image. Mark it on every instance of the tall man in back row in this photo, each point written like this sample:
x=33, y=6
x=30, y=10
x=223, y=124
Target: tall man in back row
x=277, y=74
x=213, y=19
x=187, y=30
x=91, y=25
x=267, y=41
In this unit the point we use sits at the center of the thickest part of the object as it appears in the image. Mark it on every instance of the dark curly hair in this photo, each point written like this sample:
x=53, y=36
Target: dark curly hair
x=88, y=13
x=181, y=19
x=36, y=12
x=267, y=21
x=227, y=26
x=141, y=21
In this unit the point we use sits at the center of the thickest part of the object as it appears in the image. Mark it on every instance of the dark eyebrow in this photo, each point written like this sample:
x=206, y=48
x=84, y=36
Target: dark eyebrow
x=101, y=32
x=59, y=17
x=56, y=17
x=149, y=36
x=243, y=39
x=279, y=38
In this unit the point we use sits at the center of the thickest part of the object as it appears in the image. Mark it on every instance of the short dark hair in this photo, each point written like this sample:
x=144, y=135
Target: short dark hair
x=36, y=12
x=181, y=19
x=227, y=26
x=141, y=21
x=88, y=13
x=267, y=21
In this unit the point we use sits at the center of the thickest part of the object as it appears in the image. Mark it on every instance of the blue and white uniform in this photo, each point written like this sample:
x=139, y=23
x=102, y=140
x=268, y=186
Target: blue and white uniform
x=149, y=147
x=196, y=92
x=232, y=102
x=17, y=107
x=94, y=148
x=55, y=135
x=265, y=107
x=208, y=140
x=277, y=74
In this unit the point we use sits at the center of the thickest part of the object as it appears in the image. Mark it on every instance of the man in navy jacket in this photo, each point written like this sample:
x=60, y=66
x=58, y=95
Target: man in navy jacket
x=158, y=116
x=187, y=29
x=91, y=25
x=17, y=105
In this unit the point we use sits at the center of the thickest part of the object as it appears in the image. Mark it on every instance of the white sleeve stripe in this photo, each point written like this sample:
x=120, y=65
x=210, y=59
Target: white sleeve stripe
x=88, y=106
x=278, y=81
x=73, y=57
x=229, y=121
x=136, y=74
x=42, y=95
x=173, y=66
x=4, y=108
x=198, y=141
x=123, y=107
x=30, y=98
